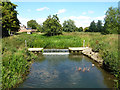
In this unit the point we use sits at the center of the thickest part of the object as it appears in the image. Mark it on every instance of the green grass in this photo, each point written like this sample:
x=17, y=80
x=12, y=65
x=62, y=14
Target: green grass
x=106, y=45
x=16, y=61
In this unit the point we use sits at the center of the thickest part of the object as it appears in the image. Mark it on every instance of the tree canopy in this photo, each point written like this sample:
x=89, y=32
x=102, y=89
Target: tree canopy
x=32, y=24
x=10, y=21
x=86, y=29
x=39, y=28
x=111, y=21
x=52, y=26
x=99, y=26
x=92, y=27
x=69, y=26
x=95, y=27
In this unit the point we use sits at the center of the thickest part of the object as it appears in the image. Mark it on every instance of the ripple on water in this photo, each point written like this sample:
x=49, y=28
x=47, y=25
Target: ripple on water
x=62, y=71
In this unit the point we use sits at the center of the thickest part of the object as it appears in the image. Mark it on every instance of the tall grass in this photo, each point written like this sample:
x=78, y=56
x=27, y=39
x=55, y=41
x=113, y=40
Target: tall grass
x=16, y=61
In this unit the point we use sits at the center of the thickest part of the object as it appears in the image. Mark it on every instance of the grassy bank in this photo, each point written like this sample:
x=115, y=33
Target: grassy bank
x=106, y=45
x=16, y=61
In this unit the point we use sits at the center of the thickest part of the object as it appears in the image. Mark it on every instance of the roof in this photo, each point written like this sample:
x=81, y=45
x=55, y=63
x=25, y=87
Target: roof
x=28, y=28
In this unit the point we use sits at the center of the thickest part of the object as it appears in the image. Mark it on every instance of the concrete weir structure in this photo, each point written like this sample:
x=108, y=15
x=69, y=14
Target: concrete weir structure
x=76, y=50
x=55, y=52
x=87, y=51
x=36, y=50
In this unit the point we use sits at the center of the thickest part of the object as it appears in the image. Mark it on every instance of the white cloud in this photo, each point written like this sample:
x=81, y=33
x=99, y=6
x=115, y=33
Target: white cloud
x=99, y=18
x=83, y=21
x=23, y=20
x=61, y=11
x=90, y=12
x=84, y=13
x=40, y=20
x=41, y=9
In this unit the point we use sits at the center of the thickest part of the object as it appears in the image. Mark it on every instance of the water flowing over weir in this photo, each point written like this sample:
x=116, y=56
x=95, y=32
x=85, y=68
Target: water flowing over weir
x=56, y=51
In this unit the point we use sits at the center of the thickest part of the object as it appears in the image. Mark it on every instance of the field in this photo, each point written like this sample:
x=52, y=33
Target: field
x=16, y=58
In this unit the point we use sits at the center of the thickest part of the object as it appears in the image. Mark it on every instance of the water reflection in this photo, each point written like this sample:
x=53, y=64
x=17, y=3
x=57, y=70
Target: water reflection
x=62, y=72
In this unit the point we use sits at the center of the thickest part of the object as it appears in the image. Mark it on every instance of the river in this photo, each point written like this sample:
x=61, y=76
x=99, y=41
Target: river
x=61, y=71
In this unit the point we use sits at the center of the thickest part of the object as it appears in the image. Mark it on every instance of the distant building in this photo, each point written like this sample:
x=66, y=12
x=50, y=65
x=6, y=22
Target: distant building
x=24, y=29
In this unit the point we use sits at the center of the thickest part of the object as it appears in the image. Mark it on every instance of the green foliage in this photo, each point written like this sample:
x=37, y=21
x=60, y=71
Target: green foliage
x=80, y=29
x=69, y=26
x=9, y=18
x=95, y=27
x=86, y=29
x=92, y=27
x=111, y=62
x=39, y=28
x=54, y=41
x=15, y=67
x=32, y=24
x=52, y=26
x=99, y=26
x=16, y=61
x=111, y=21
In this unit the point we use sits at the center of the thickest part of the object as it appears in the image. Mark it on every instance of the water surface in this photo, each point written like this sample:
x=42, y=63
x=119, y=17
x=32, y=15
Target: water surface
x=61, y=71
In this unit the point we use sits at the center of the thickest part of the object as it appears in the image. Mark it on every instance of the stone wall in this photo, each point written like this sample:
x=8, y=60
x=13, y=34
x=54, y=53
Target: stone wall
x=93, y=55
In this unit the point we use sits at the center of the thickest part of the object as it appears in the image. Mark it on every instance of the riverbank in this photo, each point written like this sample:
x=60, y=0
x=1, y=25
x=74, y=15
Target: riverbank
x=16, y=62
x=12, y=50
x=93, y=55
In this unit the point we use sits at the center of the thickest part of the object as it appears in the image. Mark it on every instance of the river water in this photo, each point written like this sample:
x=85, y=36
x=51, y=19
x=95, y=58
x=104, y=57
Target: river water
x=61, y=71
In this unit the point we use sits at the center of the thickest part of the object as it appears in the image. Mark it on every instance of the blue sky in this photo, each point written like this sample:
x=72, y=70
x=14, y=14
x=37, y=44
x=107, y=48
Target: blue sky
x=81, y=12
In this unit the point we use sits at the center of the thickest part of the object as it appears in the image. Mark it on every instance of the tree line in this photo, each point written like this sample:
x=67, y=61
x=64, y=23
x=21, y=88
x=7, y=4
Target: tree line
x=109, y=27
x=51, y=26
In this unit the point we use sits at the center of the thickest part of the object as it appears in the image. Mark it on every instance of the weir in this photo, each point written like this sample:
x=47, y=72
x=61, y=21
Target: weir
x=55, y=51
x=73, y=50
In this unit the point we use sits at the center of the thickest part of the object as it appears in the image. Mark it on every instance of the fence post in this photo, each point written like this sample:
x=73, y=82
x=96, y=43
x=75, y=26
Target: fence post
x=25, y=43
x=83, y=43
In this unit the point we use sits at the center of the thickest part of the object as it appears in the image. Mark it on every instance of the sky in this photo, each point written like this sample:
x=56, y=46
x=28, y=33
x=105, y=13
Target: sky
x=81, y=12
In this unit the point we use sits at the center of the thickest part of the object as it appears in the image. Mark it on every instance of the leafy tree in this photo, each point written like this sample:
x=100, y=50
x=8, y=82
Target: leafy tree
x=39, y=28
x=69, y=26
x=10, y=21
x=52, y=26
x=0, y=19
x=111, y=21
x=92, y=27
x=80, y=29
x=32, y=24
x=76, y=29
x=86, y=29
x=99, y=26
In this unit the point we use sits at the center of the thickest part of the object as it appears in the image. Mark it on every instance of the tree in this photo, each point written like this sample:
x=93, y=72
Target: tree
x=86, y=29
x=52, y=26
x=39, y=28
x=99, y=26
x=92, y=27
x=69, y=26
x=10, y=21
x=111, y=21
x=32, y=24
x=80, y=29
